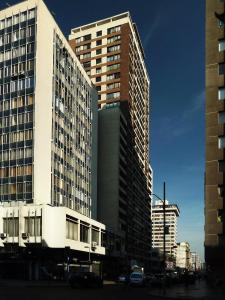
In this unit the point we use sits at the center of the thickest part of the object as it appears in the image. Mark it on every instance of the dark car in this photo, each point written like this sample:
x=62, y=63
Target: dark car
x=85, y=279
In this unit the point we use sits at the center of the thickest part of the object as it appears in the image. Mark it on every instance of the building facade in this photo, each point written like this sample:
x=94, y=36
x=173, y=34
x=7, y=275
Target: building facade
x=195, y=262
x=183, y=256
x=48, y=133
x=215, y=138
x=112, y=55
x=172, y=213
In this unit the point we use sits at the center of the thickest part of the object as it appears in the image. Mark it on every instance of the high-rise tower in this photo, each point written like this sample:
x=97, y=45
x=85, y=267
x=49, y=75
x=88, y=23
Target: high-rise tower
x=112, y=55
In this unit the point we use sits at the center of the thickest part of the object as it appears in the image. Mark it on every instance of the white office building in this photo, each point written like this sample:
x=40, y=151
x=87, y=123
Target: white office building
x=171, y=214
x=48, y=109
x=183, y=258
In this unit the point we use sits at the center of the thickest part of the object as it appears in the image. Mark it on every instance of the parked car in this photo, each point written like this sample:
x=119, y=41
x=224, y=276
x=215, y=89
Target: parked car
x=85, y=279
x=137, y=278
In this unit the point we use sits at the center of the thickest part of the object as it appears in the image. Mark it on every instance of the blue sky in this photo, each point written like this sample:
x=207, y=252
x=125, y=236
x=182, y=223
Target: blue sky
x=173, y=38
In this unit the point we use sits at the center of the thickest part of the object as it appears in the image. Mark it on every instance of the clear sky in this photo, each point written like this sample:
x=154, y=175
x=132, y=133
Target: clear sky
x=172, y=33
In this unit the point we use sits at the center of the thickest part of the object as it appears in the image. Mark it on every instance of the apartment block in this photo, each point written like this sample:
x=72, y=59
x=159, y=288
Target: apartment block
x=111, y=52
x=48, y=140
x=215, y=138
x=183, y=258
x=172, y=213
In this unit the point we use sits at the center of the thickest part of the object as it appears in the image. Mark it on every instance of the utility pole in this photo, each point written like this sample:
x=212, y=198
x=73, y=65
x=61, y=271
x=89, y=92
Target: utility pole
x=164, y=237
x=164, y=227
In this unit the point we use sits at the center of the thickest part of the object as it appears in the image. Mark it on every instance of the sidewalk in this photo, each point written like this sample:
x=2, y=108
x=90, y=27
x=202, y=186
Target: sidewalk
x=196, y=291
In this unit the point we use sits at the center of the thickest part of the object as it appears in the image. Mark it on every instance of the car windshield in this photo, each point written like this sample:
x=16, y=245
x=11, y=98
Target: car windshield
x=136, y=276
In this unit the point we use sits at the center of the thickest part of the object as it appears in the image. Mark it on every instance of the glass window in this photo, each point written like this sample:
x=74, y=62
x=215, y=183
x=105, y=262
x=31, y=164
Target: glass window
x=33, y=226
x=99, y=33
x=87, y=37
x=84, y=233
x=11, y=226
x=221, y=68
x=98, y=79
x=221, y=117
x=95, y=235
x=221, y=93
x=221, y=142
x=98, y=42
x=98, y=61
x=72, y=229
x=98, y=51
x=221, y=45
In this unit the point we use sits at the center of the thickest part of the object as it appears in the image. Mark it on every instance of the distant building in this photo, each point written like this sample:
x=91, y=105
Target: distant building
x=48, y=110
x=215, y=139
x=112, y=54
x=195, y=262
x=172, y=213
x=183, y=255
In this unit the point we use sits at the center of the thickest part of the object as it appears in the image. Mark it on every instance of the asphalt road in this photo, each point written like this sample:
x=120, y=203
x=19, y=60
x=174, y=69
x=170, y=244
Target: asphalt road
x=109, y=292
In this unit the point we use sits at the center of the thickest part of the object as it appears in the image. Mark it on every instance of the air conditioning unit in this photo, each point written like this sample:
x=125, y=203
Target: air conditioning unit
x=3, y=236
x=25, y=236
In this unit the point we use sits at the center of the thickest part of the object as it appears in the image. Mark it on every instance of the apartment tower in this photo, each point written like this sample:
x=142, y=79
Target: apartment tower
x=215, y=138
x=112, y=54
x=172, y=213
x=48, y=134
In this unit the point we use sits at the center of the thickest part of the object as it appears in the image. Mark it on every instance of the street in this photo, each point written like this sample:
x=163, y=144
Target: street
x=108, y=292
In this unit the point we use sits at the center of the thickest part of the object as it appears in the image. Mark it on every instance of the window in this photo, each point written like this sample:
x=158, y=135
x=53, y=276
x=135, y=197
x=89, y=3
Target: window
x=98, y=79
x=113, y=29
x=87, y=55
x=112, y=95
x=221, y=45
x=221, y=68
x=113, y=85
x=11, y=226
x=113, y=57
x=71, y=228
x=98, y=42
x=87, y=64
x=113, y=39
x=99, y=33
x=84, y=232
x=99, y=51
x=221, y=93
x=87, y=37
x=221, y=142
x=113, y=76
x=98, y=70
x=113, y=48
x=98, y=88
x=95, y=235
x=33, y=226
x=221, y=118
x=87, y=46
x=78, y=40
x=98, y=61
x=113, y=67
x=221, y=166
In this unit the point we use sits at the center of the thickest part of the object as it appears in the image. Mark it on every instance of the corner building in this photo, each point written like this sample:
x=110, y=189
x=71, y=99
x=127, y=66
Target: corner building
x=48, y=116
x=112, y=54
x=215, y=139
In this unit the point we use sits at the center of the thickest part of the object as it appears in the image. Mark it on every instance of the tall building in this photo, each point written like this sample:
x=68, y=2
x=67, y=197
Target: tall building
x=48, y=139
x=195, y=262
x=172, y=212
x=215, y=138
x=183, y=256
x=112, y=55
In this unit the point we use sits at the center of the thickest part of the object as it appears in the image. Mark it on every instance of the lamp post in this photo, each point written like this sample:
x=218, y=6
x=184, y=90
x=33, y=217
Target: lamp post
x=164, y=230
